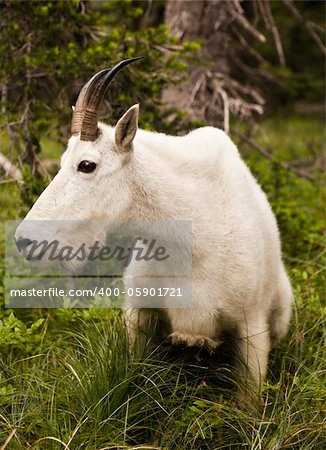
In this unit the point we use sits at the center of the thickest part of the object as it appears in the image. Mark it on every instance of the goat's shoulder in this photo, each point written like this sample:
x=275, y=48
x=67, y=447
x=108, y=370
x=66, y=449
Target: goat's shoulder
x=211, y=140
x=199, y=145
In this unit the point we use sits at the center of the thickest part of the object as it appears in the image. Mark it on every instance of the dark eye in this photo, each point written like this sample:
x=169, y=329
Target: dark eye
x=86, y=166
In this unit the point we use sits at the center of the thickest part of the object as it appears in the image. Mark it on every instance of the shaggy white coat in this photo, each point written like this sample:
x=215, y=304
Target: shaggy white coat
x=238, y=278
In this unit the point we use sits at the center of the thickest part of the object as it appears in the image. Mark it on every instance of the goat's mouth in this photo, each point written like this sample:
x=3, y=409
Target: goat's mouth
x=25, y=246
x=48, y=258
x=33, y=250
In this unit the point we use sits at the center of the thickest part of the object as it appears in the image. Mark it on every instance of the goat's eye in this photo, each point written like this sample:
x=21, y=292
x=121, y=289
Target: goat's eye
x=86, y=166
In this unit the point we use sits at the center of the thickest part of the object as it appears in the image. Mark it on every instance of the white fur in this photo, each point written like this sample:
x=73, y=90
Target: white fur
x=238, y=278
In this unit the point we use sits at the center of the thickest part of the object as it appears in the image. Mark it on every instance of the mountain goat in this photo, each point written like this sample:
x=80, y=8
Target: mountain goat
x=239, y=283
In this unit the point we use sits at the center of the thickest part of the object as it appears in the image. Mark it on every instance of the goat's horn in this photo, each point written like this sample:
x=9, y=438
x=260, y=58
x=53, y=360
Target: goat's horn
x=79, y=109
x=85, y=116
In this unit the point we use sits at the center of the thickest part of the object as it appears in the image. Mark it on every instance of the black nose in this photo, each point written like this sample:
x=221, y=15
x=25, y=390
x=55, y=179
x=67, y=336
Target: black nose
x=22, y=244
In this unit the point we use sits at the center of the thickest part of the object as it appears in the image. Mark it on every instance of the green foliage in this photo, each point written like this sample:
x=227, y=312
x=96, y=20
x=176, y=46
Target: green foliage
x=49, y=49
x=14, y=333
x=48, y=54
x=297, y=202
x=33, y=186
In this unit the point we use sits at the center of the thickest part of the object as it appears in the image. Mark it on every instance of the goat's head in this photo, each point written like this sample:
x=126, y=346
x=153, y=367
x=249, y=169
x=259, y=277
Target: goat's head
x=93, y=182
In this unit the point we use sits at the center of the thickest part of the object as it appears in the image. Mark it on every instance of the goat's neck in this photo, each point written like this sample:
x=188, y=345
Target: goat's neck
x=156, y=190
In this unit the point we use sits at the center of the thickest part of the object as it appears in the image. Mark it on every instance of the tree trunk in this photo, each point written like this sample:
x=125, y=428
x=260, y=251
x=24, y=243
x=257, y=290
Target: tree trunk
x=206, y=21
x=210, y=92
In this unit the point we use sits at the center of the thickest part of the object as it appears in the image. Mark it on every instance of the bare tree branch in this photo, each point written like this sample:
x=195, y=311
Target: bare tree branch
x=270, y=24
x=248, y=47
x=226, y=111
x=239, y=16
x=309, y=26
x=10, y=170
x=15, y=122
x=11, y=134
x=30, y=155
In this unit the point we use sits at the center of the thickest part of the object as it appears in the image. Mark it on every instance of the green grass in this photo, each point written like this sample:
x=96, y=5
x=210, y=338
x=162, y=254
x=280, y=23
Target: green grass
x=90, y=394
x=68, y=382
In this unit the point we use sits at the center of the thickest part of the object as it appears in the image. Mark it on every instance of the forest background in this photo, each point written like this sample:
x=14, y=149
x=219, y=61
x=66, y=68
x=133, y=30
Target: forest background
x=254, y=68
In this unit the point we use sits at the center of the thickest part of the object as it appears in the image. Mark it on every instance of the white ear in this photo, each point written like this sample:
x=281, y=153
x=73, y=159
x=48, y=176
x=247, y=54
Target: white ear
x=126, y=128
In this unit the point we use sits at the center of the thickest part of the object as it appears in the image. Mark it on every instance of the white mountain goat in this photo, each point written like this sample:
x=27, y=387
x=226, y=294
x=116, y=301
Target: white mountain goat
x=239, y=283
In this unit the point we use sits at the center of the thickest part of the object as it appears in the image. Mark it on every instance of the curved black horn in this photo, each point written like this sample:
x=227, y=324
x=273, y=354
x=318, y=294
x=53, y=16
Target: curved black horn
x=85, y=115
x=81, y=103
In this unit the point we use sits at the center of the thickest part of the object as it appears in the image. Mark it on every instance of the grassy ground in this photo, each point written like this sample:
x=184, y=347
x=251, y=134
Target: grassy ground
x=68, y=382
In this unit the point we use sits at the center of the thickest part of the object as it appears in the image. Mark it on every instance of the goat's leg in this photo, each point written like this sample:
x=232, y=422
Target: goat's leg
x=281, y=308
x=194, y=327
x=146, y=328
x=136, y=320
x=194, y=340
x=253, y=346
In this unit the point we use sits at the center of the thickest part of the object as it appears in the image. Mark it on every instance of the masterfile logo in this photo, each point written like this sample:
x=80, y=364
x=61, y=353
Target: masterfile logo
x=99, y=263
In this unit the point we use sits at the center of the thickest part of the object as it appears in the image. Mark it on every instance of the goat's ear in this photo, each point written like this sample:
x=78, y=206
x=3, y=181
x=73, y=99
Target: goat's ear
x=126, y=128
